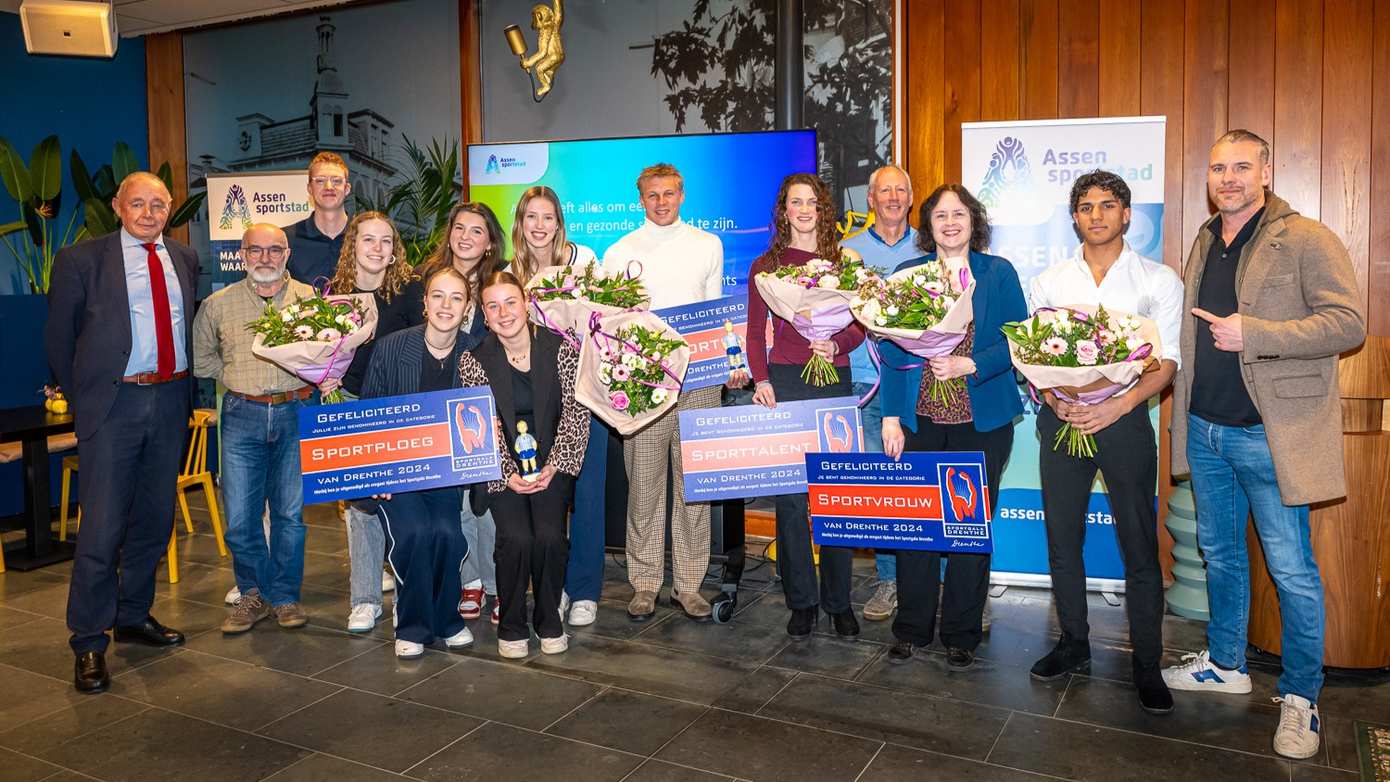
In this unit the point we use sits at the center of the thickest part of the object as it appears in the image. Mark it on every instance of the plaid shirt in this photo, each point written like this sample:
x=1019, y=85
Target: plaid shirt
x=222, y=343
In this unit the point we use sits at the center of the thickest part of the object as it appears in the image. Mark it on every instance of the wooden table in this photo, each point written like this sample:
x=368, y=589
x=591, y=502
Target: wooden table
x=32, y=426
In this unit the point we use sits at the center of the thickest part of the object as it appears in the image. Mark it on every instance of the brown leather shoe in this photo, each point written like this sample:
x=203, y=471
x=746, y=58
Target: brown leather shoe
x=693, y=605
x=642, y=607
x=246, y=612
x=291, y=615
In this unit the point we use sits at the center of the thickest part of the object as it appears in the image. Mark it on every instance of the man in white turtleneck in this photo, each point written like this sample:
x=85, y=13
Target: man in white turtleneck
x=679, y=264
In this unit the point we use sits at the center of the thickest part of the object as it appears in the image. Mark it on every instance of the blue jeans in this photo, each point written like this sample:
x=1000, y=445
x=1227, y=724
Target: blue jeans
x=1232, y=476
x=871, y=416
x=260, y=465
x=584, y=573
x=481, y=534
x=366, y=555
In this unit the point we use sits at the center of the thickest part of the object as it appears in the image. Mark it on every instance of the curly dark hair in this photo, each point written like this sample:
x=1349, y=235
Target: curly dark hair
x=827, y=238
x=1108, y=181
x=979, y=219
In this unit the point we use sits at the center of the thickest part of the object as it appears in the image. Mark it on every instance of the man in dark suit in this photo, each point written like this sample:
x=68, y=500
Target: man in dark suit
x=120, y=316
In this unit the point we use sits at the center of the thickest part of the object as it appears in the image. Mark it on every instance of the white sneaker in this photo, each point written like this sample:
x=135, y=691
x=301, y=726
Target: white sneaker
x=233, y=595
x=1299, y=727
x=363, y=617
x=513, y=650
x=583, y=613
x=555, y=645
x=460, y=639
x=1198, y=673
x=388, y=582
x=409, y=650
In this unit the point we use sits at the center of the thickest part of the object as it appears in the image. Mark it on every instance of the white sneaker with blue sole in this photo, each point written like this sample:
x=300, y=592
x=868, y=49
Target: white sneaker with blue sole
x=1197, y=673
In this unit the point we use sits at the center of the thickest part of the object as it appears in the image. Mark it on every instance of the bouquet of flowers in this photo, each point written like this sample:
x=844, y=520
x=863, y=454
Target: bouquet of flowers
x=563, y=297
x=926, y=310
x=630, y=369
x=1084, y=355
x=815, y=298
x=315, y=338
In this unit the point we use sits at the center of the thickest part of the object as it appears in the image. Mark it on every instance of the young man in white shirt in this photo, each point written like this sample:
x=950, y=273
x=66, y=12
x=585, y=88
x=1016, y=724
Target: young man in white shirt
x=678, y=264
x=1106, y=271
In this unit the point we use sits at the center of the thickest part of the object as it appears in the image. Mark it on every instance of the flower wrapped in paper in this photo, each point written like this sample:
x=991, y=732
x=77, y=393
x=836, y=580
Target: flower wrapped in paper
x=815, y=299
x=315, y=338
x=1084, y=355
x=926, y=310
x=563, y=297
x=631, y=365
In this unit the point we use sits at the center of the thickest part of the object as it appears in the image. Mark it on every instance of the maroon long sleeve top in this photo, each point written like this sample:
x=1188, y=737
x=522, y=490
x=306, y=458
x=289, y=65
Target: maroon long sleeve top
x=788, y=346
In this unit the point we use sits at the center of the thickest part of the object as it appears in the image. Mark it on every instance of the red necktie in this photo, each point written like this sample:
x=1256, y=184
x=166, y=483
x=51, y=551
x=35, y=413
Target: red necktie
x=163, y=322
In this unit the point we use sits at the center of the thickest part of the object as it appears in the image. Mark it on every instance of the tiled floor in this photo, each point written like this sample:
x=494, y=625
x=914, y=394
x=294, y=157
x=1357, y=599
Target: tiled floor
x=668, y=700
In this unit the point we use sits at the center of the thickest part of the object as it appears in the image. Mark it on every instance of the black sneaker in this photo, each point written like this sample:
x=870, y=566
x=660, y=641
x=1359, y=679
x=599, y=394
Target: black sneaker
x=846, y=626
x=901, y=652
x=1154, y=696
x=803, y=621
x=959, y=659
x=1067, y=657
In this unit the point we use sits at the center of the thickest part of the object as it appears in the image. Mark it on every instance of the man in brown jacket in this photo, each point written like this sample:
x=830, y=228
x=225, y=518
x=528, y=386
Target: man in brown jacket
x=1273, y=300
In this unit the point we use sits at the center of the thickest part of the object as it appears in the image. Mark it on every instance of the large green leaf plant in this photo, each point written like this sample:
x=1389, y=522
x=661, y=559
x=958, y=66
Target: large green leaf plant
x=33, y=240
x=424, y=198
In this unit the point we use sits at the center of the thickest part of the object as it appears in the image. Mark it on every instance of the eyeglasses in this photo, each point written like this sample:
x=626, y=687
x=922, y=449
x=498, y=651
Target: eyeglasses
x=320, y=181
x=253, y=252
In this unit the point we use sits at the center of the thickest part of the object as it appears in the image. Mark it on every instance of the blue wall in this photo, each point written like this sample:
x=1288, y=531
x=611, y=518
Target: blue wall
x=89, y=103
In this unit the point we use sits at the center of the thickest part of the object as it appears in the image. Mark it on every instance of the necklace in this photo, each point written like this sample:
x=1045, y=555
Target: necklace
x=520, y=359
x=446, y=347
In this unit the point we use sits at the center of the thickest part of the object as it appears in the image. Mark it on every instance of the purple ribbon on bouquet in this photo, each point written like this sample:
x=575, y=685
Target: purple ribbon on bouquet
x=817, y=327
x=595, y=332
x=549, y=324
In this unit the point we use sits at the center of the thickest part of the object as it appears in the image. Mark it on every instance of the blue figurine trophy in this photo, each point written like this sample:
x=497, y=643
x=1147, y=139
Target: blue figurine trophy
x=525, y=447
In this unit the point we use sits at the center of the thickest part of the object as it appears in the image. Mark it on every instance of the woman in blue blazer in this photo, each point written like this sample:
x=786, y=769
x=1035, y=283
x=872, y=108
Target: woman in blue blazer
x=955, y=228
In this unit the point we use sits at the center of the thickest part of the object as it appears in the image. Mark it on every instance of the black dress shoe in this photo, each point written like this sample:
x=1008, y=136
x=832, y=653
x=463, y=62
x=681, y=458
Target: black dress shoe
x=803, y=621
x=1067, y=657
x=150, y=633
x=901, y=652
x=90, y=674
x=846, y=626
x=1154, y=696
x=959, y=659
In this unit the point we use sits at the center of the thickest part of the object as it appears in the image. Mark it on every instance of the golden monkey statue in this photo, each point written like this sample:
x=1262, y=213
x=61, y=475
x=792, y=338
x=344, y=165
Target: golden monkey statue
x=550, y=52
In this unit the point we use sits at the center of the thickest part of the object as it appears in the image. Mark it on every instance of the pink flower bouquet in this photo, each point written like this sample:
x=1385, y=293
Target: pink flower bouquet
x=815, y=299
x=926, y=310
x=1084, y=355
x=631, y=365
x=563, y=297
x=315, y=338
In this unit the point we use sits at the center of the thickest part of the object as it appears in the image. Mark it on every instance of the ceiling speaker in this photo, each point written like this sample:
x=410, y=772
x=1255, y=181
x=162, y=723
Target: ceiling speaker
x=69, y=27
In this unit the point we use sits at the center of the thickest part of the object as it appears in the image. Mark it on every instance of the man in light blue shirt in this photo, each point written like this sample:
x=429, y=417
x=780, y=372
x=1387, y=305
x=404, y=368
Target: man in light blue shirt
x=144, y=349
x=889, y=242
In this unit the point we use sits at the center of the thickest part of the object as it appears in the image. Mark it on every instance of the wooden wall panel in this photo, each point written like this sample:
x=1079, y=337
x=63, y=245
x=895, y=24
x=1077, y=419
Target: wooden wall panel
x=1346, y=129
x=1001, y=96
x=1250, y=101
x=1078, y=58
x=1038, y=37
x=962, y=88
x=1161, y=94
x=1205, y=78
x=1378, y=273
x=470, y=82
x=1298, y=104
x=164, y=101
x=925, y=27
x=1119, y=58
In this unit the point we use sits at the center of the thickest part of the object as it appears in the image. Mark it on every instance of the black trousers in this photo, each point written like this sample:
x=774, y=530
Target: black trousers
x=130, y=468
x=426, y=548
x=1127, y=457
x=795, y=564
x=967, y=575
x=532, y=551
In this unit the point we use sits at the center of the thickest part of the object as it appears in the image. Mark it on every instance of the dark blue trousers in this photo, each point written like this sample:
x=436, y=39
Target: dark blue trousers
x=584, y=573
x=425, y=548
x=130, y=468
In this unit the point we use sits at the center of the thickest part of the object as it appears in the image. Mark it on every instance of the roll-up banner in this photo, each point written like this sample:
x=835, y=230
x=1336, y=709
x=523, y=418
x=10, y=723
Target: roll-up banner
x=1023, y=172
x=236, y=201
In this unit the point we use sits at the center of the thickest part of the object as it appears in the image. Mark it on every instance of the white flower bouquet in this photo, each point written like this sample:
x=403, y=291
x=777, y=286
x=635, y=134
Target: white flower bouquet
x=631, y=365
x=315, y=338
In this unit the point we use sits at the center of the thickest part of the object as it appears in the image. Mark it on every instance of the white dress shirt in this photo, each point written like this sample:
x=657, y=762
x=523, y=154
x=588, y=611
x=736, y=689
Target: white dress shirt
x=680, y=264
x=1135, y=285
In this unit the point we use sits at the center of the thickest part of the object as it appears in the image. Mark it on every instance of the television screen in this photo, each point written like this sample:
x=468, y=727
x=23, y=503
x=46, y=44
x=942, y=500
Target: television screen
x=731, y=180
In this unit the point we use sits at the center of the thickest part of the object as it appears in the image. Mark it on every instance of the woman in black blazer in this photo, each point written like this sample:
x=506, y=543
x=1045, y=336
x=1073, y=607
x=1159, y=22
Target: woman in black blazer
x=531, y=372
x=425, y=544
